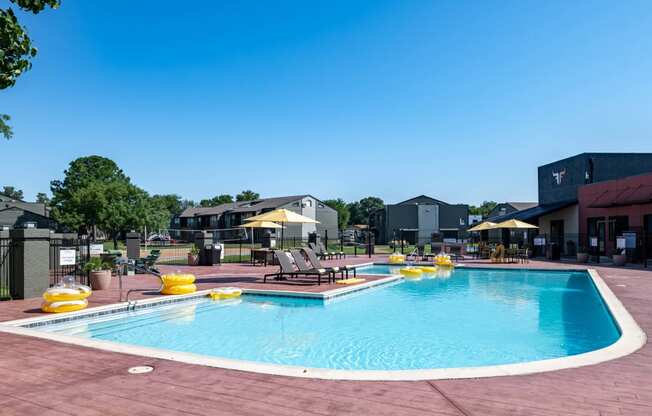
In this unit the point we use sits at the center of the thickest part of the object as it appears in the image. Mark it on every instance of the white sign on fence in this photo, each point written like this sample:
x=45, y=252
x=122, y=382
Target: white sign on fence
x=539, y=241
x=97, y=249
x=67, y=257
x=594, y=241
x=621, y=243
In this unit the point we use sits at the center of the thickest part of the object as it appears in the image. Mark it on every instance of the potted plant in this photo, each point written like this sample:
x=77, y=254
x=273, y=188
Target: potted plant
x=99, y=273
x=582, y=254
x=619, y=258
x=193, y=256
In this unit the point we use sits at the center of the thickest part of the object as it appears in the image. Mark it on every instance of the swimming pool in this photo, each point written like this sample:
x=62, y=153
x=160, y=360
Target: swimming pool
x=472, y=318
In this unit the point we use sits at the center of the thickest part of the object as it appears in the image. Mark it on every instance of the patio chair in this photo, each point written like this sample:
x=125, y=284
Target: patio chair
x=338, y=254
x=287, y=269
x=314, y=260
x=147, y=262
x=320, y=252
x=498, y=256
x=304, y=267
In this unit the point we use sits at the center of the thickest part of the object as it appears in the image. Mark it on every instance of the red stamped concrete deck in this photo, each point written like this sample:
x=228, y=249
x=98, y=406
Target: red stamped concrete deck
x=39, y=377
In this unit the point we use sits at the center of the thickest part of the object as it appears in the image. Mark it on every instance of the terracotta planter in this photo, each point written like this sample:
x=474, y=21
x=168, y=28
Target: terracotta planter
x=582, y=257
x=619, y=259
x=100, y=280
x=193, y=260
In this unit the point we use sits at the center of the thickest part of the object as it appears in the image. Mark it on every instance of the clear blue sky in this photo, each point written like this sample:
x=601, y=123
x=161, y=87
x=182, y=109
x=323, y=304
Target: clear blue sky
x=460, y=100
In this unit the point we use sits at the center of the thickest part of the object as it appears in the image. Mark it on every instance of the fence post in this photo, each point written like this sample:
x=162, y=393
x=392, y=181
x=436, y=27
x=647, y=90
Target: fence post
x=326, y=239
x=31, y=259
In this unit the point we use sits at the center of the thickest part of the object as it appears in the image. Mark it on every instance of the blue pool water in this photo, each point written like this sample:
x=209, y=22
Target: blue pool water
x=470, y=318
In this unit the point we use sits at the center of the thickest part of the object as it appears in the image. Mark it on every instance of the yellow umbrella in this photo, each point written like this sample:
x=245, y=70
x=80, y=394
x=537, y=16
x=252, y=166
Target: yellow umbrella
x=283, y=215
x=516, y=224
x=259, y=224
x=483, y=226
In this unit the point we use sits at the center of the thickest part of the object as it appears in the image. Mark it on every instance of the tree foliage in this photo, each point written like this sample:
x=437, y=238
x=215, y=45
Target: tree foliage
x=96, y=193
x=483, y=209
x=12, y=192
x=361, y=210
x=342, y=209
x=42, y=198
x=16, y=49
x=217, y=200
x=247, y=196
x=172, y=203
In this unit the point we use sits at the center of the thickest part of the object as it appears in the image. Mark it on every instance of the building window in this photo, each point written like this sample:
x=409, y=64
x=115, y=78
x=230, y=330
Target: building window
x=309, y=202
x=296, y=204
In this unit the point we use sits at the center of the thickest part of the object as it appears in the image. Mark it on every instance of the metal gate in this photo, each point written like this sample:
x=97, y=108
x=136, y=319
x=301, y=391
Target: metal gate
x=7, y=269
x=59, y=246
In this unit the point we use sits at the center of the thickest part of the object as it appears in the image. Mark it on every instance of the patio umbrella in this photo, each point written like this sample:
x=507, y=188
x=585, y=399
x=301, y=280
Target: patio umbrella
x=483, y=226
x=516, y=224
x=283, y=216
x=258, y=224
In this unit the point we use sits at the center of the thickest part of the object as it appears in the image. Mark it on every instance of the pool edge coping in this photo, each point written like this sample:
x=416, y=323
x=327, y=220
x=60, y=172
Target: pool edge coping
x=632, y=339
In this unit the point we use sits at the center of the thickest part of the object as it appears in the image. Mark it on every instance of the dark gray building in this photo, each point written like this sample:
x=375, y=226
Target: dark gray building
x=558, y=181
x=418, y=218
x=231, y=215
x=15, y=213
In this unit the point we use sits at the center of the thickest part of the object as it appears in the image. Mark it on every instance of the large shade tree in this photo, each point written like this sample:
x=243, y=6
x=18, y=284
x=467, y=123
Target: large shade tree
x=361, y=210
x=96, y=194
x=12, y=192
x=16, y=48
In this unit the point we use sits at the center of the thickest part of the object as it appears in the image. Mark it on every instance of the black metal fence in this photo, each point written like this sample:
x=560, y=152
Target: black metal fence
x=7, y=268
x=61, y=249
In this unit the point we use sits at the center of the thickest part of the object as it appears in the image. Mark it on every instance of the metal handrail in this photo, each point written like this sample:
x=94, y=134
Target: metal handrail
x=145, y=270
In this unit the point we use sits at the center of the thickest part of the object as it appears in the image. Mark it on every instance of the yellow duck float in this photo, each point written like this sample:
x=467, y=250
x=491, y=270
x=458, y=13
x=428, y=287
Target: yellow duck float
x=178, y=284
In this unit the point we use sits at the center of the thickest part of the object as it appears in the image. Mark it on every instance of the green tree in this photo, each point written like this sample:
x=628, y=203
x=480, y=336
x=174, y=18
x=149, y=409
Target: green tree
x=42, y=198
x=361, y=210
x=247, y=196
x=342, y=209
x=12, y=192
x=217, y=200
x=16, y=49
x=171, y=202
x=96, y=193
x=483, y=209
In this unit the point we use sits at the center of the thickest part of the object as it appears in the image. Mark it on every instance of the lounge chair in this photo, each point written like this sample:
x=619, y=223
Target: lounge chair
x=320, y=252
x=287, y=269
x=338, y=254
x=304, y=267
x=314, y=260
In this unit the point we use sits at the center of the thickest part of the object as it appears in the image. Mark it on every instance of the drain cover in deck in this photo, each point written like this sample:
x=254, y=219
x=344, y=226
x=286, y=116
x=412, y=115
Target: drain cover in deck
x=142, y=369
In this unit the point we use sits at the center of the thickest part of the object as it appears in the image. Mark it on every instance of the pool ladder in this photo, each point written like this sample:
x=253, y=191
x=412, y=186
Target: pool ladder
x=131, y=305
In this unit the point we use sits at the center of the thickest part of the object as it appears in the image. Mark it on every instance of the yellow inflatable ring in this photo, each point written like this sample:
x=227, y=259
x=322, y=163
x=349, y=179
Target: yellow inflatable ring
x=225, y=293
x=411, y=272
x=445, y=264
x=65, y=306
x=428, y=269
x=62, y=294
x=396, y=259
x=350, y=281
x=179, y=289
x=177, y=279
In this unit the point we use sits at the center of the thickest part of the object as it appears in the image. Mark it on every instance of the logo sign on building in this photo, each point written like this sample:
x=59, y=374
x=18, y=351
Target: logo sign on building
x=559, y=176
x=594, y=242
x=67, y=257
x=540, y=241
x=96, y=249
